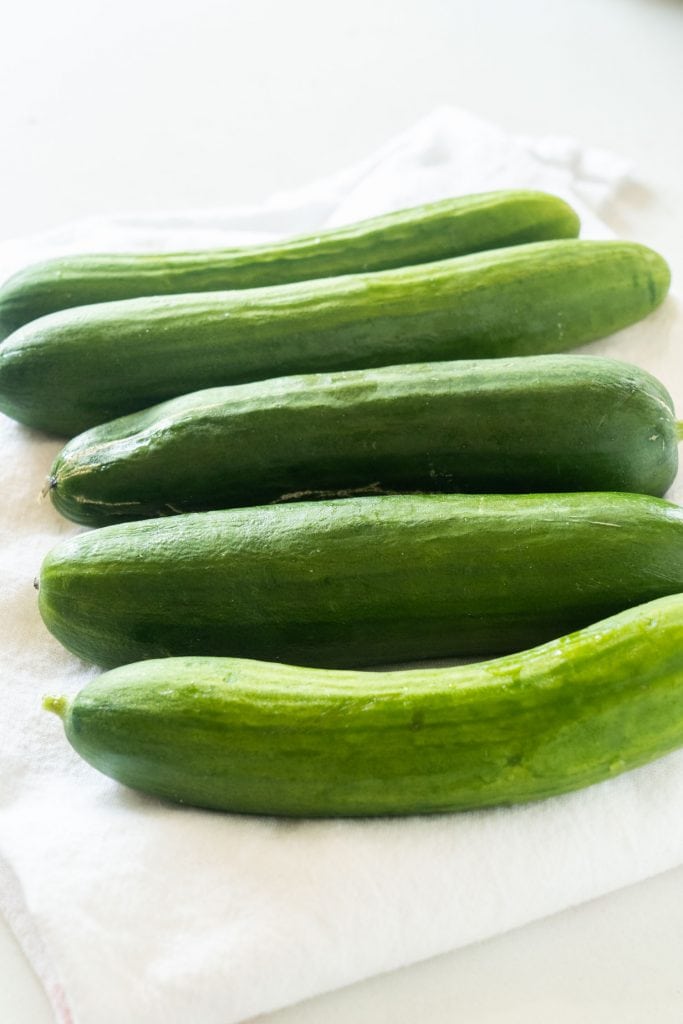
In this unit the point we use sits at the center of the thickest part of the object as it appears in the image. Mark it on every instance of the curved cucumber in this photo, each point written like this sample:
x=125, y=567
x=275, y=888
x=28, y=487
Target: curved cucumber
x=422, y=234
x=261, y=738
x=360, y=581
x=72, y=370
x=543, y=423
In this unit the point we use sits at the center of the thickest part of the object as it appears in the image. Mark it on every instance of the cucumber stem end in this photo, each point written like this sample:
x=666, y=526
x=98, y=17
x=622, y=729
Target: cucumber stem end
x=49, y=485
x=58, y=705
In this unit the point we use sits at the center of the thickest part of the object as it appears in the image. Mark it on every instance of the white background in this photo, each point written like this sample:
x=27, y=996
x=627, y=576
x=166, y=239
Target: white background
x=148, y=105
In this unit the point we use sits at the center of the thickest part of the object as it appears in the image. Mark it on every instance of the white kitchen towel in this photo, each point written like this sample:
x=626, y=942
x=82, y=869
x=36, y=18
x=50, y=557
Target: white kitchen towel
x=135, y=911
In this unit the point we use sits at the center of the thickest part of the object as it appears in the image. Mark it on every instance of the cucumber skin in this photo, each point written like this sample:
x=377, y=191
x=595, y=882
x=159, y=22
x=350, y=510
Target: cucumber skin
x=259, y=738
x=73, y=370
x=422, y=234
x=360, y=581
x=534, y=424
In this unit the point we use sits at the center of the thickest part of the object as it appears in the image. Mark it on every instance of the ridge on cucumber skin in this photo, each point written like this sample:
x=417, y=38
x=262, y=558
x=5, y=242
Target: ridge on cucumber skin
x=262, y=738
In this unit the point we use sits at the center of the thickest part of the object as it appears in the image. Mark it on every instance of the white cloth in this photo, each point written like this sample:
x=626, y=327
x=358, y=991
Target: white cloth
x=137, y=912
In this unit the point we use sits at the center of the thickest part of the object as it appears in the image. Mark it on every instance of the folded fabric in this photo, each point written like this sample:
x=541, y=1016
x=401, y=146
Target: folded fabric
x=132, y=910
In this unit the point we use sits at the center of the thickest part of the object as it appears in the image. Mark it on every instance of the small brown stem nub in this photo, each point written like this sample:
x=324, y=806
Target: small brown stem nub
x=48, y=486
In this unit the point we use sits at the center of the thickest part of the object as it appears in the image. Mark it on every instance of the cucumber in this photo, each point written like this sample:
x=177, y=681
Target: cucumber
x=543, y=423
x=360, y=581
x=72, y=370
x=261, y=738
x=451, y=227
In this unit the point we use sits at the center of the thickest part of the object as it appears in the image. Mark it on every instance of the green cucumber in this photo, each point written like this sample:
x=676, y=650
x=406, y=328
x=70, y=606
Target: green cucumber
x=360, y=581
x=72, y=370
x=539, y=423
x=435, y=231
x=261, y=738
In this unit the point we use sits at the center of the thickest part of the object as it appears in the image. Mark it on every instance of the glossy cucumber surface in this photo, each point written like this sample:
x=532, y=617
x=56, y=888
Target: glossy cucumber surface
x=540, y=423
x=75, y=369
x=422, y=234
x=360, y=581
x=261, y=738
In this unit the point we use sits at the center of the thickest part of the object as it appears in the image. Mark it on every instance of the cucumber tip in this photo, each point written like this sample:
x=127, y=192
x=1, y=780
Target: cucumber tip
x=57, y=705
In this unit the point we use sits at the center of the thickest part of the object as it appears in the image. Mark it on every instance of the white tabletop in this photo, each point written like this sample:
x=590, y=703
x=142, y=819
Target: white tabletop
x=158, y=104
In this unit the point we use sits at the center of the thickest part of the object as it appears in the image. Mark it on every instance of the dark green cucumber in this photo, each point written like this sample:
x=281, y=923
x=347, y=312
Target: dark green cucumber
x=360, y=581
x=260, y=738
x=72, y=370
x=422, y=234
x=540, y=423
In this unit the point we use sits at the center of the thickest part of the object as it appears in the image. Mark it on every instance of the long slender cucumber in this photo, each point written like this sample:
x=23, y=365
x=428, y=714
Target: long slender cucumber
x=422, y=234
x=360, y=581
x=540, y=423
x=261, y=738
x=75, y=369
